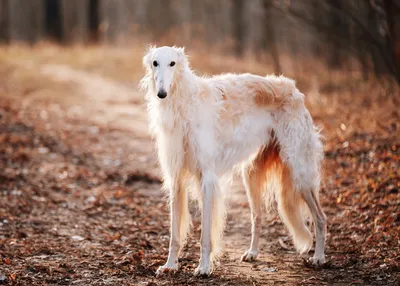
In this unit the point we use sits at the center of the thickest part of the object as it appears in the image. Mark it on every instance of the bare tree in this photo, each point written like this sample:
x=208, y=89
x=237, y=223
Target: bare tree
x=3, y=21
x=75, y=20
x=116, y=19
x=238, y=27
x=335, y=43
x=160, y=17
x=25, y=20
x=392, y=16
x=270, y=42
x=94, y=20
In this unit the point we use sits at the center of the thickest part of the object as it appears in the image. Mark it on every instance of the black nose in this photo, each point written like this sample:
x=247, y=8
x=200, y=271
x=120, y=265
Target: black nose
x=162, y=94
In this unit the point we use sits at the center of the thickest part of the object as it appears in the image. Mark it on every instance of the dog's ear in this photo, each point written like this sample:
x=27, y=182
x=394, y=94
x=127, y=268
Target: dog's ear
x=147, y=82
x=182, y=57
x=147, y=57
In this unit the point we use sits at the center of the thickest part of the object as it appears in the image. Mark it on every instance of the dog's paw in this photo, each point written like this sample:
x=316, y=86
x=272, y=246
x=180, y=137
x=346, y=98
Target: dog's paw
x=315, y=262
x=203, y=270
x=249, y=255
x=165, y=269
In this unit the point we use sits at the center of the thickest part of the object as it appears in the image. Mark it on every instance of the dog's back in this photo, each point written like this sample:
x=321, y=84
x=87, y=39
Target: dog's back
x=252, y=90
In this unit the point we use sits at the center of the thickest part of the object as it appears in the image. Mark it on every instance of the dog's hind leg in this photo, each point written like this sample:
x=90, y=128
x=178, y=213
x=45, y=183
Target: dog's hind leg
x=258, y=178
x=253, y=180
x=320, y=226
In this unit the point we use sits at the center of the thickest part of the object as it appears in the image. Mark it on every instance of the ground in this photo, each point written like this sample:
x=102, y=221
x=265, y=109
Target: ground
x=80, y=199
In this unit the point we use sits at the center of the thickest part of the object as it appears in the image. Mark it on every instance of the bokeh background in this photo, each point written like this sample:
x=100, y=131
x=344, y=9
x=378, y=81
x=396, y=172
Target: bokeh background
x=80, y=199
x=359, y=35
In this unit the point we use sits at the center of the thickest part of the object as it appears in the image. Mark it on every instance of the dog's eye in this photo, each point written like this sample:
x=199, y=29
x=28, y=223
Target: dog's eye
x=172, y=64
x=155, y=63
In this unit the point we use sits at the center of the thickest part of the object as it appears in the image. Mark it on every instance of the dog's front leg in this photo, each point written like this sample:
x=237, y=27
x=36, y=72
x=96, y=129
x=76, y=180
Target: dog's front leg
x=178, y=216
x=209, y=185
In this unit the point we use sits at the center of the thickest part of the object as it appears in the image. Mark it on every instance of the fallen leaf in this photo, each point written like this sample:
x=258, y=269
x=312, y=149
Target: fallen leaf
x=77, y=238
x=269, y=269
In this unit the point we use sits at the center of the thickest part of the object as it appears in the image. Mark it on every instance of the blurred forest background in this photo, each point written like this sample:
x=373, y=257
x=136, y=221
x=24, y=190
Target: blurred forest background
x=355, y=35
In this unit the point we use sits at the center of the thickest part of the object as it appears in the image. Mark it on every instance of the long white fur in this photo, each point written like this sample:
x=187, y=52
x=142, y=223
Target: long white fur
x=207, y=125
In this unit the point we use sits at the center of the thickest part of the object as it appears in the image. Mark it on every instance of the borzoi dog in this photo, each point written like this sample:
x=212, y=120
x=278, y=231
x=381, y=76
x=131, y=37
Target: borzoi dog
x=204, y=126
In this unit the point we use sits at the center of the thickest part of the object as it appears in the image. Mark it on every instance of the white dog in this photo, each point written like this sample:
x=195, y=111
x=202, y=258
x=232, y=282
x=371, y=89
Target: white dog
x=206, y=126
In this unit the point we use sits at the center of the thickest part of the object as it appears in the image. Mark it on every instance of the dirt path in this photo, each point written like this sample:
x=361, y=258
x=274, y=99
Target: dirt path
x=115, y=223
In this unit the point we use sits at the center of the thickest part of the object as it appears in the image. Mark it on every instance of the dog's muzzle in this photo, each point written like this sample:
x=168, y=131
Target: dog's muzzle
x=162, y=94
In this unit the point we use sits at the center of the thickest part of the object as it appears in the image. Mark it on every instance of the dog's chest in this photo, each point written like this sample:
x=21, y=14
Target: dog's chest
x=167, y=118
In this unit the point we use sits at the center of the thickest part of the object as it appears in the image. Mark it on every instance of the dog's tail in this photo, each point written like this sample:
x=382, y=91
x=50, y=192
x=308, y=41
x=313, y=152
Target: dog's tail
x=292, y=209
x=300, y=154
x=290, y=204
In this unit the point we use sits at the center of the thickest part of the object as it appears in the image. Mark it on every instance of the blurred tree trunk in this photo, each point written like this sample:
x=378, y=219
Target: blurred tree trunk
x=108, y=19
x=75, y=20
x=363, y=52
x=160, y=17
x=319, y=38
x=139, y=16
x=186, y=20
x=26, y=20
x=182, y=12
x=392, y=12
x=362, y=55
x=210, y=20
x=238, y=27
x=116, y=18
x=94, y=20
x=269, y=42
x=53, y=21
x=197, y=15
x=379, y=65
x=3, y=21
x=334, y=55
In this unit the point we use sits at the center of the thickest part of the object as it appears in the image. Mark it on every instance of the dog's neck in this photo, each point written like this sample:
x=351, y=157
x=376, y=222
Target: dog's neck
x=185, y=85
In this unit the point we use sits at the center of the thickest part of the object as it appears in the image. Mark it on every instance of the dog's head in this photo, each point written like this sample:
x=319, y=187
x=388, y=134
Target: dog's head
x=163, y=66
